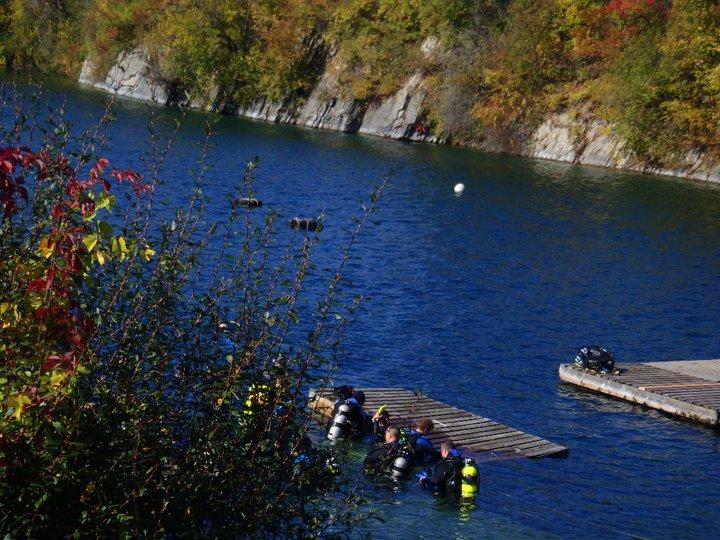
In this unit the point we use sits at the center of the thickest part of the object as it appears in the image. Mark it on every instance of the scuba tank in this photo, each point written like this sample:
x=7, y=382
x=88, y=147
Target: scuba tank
x=341, y=423
x=401, y=465
x=470, y=479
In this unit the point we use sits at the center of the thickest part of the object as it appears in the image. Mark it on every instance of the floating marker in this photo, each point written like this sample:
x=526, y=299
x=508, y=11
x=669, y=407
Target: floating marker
x=308, y=224
x=459, y=188
x=249, y=202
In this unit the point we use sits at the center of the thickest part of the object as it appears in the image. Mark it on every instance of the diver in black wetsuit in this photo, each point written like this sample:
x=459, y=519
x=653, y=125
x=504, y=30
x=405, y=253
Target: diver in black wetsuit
x=349, y=418
x=382, y=457
x=446, y=477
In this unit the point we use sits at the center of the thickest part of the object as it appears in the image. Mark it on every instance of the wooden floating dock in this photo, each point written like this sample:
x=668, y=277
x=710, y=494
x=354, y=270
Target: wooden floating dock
x=469, y=432
x=690, y=389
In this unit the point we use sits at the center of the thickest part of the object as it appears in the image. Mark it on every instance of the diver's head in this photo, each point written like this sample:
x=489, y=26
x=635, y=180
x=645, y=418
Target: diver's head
x=425, y=426
x=392, y=435
x=446, y=448
x=359, y=397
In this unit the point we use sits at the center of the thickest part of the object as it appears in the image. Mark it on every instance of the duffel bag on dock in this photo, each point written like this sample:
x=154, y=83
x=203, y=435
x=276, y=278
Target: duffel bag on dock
x=596, y=358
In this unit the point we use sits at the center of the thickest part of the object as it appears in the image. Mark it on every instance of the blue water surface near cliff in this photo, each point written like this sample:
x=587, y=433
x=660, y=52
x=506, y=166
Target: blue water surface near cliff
x=476, y=300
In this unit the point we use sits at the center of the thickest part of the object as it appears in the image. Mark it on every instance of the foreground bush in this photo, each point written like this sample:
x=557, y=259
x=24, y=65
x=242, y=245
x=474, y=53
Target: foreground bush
x=151, y=383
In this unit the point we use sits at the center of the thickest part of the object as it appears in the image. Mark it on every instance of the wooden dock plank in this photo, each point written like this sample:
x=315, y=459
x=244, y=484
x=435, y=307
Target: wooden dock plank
x=470, y=432
x=421, y=410
x=500, y=440
x=702, y=369
x=686, y=389
x=516, y=445
x=477, y=428
x=469, y=438
x=545, y=450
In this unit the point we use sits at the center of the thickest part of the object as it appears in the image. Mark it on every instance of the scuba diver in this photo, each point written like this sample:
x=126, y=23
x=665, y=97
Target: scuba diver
x=448, y=476
x=422, y=448
x=390, y=457
x=305, y=455
x=349, y=417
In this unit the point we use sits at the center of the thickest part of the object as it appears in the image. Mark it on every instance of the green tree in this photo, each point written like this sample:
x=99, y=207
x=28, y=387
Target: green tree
x=43, y=34
x=690, y=75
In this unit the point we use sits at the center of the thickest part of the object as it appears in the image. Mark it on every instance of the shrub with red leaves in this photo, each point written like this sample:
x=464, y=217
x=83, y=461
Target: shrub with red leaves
x=126, y=370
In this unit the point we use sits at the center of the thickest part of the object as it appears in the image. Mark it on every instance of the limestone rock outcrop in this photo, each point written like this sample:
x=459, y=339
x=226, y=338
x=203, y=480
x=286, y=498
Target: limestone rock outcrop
x=574, y=138
x=586, y=140
x=131, y=76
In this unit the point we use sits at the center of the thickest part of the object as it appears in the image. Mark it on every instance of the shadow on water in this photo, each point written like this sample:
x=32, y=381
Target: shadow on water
x=476, y=300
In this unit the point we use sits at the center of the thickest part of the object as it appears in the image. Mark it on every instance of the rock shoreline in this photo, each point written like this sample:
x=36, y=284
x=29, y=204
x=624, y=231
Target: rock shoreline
x=581, y=139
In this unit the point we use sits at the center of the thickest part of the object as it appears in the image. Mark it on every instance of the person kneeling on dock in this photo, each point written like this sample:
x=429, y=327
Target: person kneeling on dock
x=446, y=477
x=422, y=448
x=390, y=457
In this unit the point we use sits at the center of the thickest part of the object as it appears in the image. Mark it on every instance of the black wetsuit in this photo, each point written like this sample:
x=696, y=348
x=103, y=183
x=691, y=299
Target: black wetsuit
x=446, y=477
x=383, y=456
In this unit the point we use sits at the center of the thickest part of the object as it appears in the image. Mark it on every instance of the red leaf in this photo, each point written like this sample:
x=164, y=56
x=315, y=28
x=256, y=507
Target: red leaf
x=37, y=285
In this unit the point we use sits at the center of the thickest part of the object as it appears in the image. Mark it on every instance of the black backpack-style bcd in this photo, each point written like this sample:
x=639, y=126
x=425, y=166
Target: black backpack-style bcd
x=595, y=358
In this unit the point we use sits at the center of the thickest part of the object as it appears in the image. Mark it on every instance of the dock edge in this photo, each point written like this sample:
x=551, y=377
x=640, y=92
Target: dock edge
x=633, y=394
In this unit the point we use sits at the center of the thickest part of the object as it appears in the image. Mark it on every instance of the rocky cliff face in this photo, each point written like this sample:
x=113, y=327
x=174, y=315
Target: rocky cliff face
x=589, y=141
x=562, y=137
x=323, y=108
x=131, y=76
x=397, y=117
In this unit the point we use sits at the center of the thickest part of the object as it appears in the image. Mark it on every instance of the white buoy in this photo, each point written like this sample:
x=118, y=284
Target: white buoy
x=459, y=188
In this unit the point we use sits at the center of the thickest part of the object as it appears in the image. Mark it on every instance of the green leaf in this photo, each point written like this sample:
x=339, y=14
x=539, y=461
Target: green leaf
x=105, y=200
x=105, y=228
x=90, y=241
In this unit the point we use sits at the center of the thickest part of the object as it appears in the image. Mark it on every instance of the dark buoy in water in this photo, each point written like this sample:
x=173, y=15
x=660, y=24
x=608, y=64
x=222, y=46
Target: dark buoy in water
x=249, y=202
x=307, y=224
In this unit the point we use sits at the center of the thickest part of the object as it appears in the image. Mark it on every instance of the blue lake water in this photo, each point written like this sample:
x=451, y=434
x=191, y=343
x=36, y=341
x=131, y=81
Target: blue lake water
x=476, y=300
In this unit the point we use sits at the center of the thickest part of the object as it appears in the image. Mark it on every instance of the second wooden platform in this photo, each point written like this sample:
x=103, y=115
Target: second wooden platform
x=689, y=389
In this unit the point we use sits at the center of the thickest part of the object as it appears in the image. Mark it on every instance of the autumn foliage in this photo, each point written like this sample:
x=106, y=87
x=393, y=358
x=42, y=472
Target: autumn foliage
x=151, y=383
x=499, y=68
x=45, y=259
